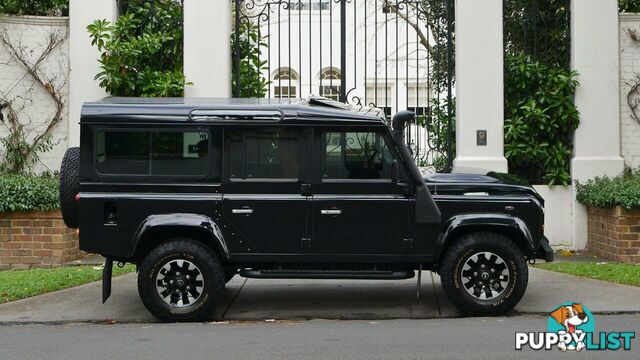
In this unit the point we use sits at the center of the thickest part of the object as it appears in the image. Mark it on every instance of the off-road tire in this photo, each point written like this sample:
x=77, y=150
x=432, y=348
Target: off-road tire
x=202, y=257
x=465, y=247
x=70, y=187
x=229, y=272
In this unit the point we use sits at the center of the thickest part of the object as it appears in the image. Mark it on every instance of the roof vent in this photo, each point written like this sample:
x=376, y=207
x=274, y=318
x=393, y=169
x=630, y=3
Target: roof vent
x=238, y=115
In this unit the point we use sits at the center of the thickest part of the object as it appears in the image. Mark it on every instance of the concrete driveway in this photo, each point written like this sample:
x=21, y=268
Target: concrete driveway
x=251, y=299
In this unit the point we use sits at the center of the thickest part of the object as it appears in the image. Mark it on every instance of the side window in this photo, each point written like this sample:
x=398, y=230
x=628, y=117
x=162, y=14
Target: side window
x=179, y=153
x=355, y=155
x=120, y=152
x=163, y=153
x=263, y=154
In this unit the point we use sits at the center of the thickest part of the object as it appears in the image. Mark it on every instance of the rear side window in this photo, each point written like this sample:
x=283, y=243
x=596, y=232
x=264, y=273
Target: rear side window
x=263, y=154
x=163, y=153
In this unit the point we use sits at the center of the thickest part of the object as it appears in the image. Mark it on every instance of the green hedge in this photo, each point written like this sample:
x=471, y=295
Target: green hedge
x=605, y=192
x=35, y=7
x=27, y=193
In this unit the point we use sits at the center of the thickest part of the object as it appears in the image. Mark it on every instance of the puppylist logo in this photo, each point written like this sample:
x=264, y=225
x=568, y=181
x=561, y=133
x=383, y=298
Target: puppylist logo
x=571, y=327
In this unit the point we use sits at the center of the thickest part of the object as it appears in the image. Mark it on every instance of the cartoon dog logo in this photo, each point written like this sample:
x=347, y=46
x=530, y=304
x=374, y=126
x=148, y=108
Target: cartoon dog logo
x=570, y=317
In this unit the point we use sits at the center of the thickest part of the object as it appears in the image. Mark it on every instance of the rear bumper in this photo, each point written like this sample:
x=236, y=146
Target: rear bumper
x=545, y=251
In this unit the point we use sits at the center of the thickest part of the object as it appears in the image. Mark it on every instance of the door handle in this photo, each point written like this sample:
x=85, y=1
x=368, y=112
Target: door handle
x=242, y=211
x=331, y=212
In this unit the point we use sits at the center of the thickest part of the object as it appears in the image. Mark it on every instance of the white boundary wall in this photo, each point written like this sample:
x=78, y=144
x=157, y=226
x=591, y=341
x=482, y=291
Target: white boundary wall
x=84, y=57
x=32, y=34
x=557, y=215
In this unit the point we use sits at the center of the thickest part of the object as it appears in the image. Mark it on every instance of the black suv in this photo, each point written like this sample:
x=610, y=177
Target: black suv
x=196, y=191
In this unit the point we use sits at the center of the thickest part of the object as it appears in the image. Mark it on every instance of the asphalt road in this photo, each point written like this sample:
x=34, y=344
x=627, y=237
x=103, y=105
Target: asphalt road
x=479, y=338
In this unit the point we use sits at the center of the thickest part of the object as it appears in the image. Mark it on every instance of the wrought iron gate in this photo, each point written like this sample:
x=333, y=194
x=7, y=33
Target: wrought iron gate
x=391, y=54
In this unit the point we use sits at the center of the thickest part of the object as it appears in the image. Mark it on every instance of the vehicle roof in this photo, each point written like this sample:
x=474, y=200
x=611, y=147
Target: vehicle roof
x=310, y=110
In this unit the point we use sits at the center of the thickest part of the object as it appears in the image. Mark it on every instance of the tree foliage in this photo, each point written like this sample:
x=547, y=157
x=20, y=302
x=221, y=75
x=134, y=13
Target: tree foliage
x=437, y=124
x=538, y=28
x=631, y=6
x=35, y=7
x=248, y=50
x=540, y=119
x=141, y=54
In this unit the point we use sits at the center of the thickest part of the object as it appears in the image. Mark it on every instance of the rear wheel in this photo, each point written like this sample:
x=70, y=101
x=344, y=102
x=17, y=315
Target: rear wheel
x=181, y=280
x=229, y=272
x=484, y=274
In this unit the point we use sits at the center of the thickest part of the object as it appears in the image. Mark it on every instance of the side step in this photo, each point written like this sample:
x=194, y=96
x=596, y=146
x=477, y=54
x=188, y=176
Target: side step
x=327, y=274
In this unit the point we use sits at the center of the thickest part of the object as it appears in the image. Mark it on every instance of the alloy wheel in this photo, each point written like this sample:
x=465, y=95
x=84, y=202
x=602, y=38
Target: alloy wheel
x=485, y=275
x=179, y=283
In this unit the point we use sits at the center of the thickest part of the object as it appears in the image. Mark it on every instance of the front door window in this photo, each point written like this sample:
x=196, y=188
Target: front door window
x=356, y=155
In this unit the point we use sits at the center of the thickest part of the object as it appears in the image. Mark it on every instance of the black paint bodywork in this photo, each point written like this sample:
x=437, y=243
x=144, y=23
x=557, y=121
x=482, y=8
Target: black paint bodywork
x=398, y=225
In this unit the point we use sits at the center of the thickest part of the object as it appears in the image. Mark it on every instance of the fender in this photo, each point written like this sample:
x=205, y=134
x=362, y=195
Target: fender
x=178, y=221
x=487, y=222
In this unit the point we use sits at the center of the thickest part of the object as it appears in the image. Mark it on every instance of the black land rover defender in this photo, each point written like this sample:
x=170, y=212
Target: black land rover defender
x=196, y=191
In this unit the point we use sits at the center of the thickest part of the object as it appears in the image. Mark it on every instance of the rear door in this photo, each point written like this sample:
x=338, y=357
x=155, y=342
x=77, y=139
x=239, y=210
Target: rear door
x=358, y=209
x=263, y=200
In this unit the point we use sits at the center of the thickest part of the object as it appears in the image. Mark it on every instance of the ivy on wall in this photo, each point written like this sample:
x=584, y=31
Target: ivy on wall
x=28, y=138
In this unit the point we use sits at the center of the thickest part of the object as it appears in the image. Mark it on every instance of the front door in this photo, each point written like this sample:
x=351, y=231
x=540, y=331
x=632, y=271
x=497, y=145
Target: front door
x=263, y=200
x=358, y=208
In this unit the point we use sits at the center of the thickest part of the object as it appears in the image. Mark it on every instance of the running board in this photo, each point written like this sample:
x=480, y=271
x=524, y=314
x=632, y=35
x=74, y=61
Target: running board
x=322, y=274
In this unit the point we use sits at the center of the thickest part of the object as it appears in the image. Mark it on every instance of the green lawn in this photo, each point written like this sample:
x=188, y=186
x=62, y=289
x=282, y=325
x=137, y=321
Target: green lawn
x=20, y=284
x=628, y=274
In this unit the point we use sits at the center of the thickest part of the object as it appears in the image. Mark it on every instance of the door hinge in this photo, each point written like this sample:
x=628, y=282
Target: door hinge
x=305, y=243
x=305, y=189
x=407, y=244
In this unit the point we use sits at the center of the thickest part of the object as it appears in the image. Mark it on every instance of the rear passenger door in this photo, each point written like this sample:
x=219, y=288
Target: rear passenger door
x=263, y=200
x=358, y=208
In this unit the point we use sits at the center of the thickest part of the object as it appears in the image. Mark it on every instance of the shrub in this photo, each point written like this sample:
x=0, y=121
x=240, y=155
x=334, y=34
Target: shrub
x=605, y=192
x=540, y=119
x=632, y=6
x=35, y=7
x=28, y=193
x=436, y=122
x=141, y=54
x=249, y=50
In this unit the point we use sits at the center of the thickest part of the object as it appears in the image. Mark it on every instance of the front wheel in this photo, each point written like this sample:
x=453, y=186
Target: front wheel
x=180, y=281
x=484, y=274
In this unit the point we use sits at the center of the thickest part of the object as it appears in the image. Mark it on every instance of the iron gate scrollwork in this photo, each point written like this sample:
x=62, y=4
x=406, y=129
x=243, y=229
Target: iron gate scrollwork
x=390, y=54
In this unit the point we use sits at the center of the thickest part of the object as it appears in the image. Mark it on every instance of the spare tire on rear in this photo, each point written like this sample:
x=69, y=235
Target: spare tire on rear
x=70, y=187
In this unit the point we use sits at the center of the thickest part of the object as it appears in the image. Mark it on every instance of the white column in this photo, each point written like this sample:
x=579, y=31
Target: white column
x=595, y=56
x=479, y=86
x=207, y=49
x=83, y=58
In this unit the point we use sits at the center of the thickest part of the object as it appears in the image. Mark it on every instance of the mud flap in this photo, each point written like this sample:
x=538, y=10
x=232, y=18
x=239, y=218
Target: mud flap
x=106, y=279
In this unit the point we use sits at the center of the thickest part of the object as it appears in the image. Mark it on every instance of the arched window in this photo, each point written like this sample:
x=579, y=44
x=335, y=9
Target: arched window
x=284, y=84
x=330, y=83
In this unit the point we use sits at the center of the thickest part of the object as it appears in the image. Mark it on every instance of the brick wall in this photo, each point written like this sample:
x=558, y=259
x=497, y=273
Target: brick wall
x=36, y=239
x=614, y=234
